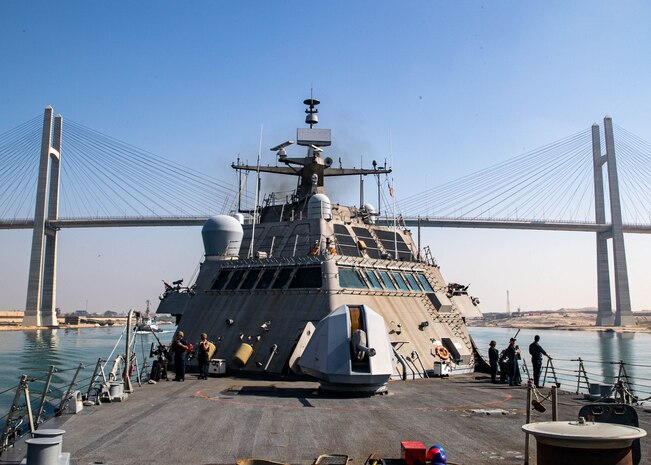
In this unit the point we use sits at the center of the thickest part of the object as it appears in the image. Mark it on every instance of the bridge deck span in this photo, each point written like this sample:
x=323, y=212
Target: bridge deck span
x=408, y=222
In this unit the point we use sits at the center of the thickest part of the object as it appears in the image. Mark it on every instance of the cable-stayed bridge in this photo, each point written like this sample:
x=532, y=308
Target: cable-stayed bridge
x=93, y=180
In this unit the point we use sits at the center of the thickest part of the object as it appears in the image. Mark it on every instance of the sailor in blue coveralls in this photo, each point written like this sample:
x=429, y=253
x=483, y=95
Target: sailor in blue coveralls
x=537, y=353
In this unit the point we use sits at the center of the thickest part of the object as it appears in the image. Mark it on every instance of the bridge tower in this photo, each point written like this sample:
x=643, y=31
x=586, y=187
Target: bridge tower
x=40, y=309
x=623, y=315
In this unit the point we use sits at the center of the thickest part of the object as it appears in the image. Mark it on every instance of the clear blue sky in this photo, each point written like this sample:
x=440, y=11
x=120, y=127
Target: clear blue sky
x=459, y=85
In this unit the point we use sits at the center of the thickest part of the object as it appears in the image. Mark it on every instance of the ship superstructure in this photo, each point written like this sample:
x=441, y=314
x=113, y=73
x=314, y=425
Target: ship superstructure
x=267, y=283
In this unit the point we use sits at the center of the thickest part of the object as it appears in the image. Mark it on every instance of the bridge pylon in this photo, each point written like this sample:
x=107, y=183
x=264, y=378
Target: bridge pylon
x=40, y=308
x=623, y=314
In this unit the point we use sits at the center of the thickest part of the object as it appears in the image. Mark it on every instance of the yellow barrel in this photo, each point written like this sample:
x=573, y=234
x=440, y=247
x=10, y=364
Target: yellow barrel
x=243, y=354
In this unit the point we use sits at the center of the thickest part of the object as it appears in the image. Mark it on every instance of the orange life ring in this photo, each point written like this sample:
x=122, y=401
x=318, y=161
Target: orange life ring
x=442, y=352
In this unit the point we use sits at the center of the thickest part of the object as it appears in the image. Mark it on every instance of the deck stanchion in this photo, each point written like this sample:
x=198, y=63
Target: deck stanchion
x=578, y=376
x=9, y=430
x=526, y=435
x=66, y=397
x=554, y=403
x=526, y=369
x=92, y=378
x=46, y=388
x=551, y=364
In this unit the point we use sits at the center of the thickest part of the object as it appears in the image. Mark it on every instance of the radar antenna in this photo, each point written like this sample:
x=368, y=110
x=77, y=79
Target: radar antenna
x=311, y=117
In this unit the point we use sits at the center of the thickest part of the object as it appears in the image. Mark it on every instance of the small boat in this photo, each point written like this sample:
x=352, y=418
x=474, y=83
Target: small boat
x=147, y=323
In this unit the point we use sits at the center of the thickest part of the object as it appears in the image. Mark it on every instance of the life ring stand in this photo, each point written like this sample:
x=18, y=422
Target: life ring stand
x=442, y=353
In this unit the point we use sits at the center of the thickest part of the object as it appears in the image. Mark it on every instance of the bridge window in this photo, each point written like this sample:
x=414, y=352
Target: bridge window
x=372, y=278
x=236, y=279
x=306, y=278
x=265, y=280
x=221, y=280
x=400, y=281
x=372, y=249
x=425, y=283
x=350, y=278
x=250, y=279
x=390, y=240
x=384, y=276
x=346, y=245
x=283, y=278
x=411, y=280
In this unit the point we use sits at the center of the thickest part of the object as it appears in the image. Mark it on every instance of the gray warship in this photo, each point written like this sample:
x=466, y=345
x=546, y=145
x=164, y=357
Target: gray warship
x=303, y=286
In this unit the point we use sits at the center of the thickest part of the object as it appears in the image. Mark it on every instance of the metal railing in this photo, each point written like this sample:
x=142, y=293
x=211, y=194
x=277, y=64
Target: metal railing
x=53, y=399
x=588, y=376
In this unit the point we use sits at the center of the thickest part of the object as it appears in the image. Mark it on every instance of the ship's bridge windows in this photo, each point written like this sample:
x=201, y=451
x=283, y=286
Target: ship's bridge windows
x=350, y=278
x=266, y=278
x=425, y=283
x=346, y=245
x=400, y=281
x=373, y=279
x=411, y=280
x=394, y=243
x=308, y=277
x=222, y=279
x=250, y=279
x=384, y=276
x=235, y=280
x=283, y=278
x=372, y=249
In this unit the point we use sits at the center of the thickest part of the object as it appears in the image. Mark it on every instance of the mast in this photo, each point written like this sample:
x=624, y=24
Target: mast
x=313, y=163
x=257, y=193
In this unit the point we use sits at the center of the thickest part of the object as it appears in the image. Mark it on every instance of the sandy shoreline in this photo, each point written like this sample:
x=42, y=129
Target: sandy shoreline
x=18, y=327
x=561, y=320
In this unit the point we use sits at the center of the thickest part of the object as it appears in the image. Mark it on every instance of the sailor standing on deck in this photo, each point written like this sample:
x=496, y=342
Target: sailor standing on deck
x=537, y=353
x=202, y=356
x=513, y=362
x=179, y=348
x=493, y=357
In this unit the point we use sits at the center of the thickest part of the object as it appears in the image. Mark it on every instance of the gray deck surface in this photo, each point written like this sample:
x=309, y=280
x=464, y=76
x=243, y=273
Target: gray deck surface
x=221, y=420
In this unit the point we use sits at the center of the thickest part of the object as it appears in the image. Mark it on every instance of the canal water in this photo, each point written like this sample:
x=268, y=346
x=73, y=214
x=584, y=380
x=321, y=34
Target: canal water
x=601, y=353
x=33, y=352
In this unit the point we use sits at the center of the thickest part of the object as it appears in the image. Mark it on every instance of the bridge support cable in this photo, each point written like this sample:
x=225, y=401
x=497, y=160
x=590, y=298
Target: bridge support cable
x=634, y=167
x=150, y=185
x=549, y=183
x=19, y=149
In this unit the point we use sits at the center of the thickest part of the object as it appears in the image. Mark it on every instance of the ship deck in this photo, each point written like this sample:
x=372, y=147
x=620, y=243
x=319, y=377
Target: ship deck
x=221, y=420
